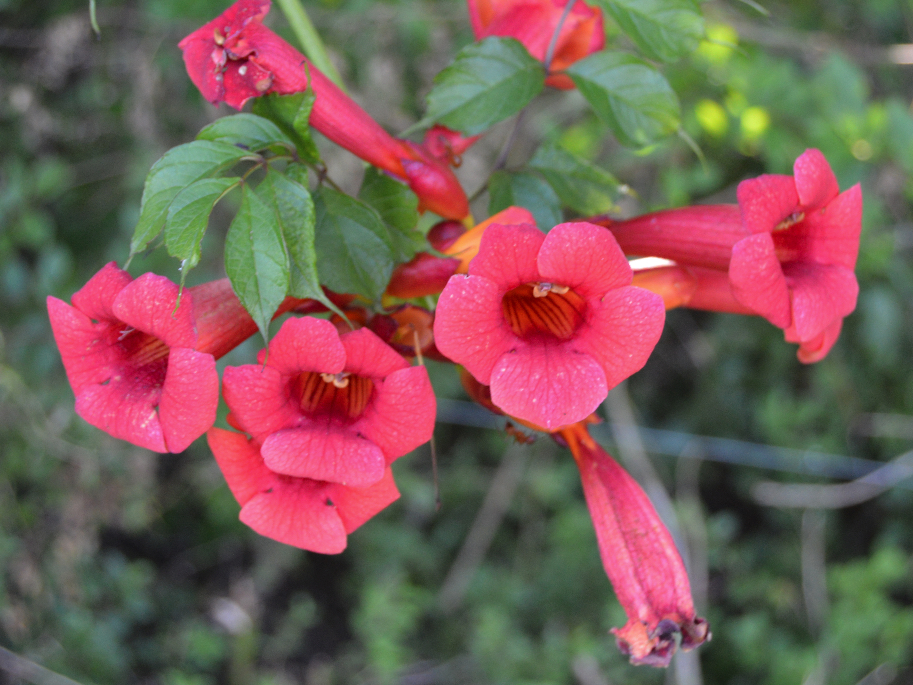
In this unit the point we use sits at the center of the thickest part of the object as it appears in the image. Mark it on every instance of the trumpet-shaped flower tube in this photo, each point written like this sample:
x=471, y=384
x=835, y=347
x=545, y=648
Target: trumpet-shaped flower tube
x=302, y=512
x=331, y=408
x=235, y=57
x=132, y=358
x=789, y=248
x=639, y=557
x=534, y=22
x=550, y=322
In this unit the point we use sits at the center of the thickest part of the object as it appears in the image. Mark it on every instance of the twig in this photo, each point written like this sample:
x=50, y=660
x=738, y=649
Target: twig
x=486, y=524
x=814, y=588
x=835, y=496
x=20, y=667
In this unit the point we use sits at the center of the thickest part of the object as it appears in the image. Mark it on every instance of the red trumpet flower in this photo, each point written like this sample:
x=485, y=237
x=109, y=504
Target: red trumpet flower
x=235, y=57
x=550, y=322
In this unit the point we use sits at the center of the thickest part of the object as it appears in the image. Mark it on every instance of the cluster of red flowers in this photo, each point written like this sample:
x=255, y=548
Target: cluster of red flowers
x=544, y=324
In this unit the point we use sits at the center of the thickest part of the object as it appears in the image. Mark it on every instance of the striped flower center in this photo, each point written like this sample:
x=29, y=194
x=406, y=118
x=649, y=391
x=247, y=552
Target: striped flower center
x=549, y=310
x=141, y=349
x=339, y=394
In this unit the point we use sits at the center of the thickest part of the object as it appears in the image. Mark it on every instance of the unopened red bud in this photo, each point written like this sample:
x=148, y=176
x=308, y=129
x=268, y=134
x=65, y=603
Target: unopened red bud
x=424, y=275
x=444, y=234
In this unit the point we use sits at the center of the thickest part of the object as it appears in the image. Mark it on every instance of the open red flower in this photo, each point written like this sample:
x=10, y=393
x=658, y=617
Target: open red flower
x=235, y=57
x=328, y=407
x=533, y=23
x=796, y=267
x=789, y=248
x=550, y=322
x=131, y=356
x=639, y=556
x=310, y=514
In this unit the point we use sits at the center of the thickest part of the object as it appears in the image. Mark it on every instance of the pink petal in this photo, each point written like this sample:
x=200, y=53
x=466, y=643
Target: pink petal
x=766, y=201
x=757, y=279
x=401, y=415
x=240, y=462
x=297, y=512
x=149, y=304
x=621, y=331
x=829, y=235
x=259, y=400
x=530, y=23
x=469, y=326
x=96, y=298
x=507, y=255
x=816, y=184
x=306, y=344
x=585, y=258
x=324, y=452
x=811, y=351
x=820, y=295
x=87, y=356
x=125, y=408
x=549, y=385
x=357, y=505
x=190, y=397
x=369, y=356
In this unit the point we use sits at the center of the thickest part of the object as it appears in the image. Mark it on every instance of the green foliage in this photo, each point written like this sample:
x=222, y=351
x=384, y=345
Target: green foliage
x=353, y=246
x=529, y=191
x=628, y=95
x=663, y=29
x=397, y=205
x=488, y=82
x=255, y=257
x=580, y=185
x=291, y=113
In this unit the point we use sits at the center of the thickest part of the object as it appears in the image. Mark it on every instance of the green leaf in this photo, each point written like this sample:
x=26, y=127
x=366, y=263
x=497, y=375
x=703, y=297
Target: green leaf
x=291, y=113
x=255, y=259
x=487, y=82
x=188, y=216
x=353, y=248
x=581, y=185
x=663, y=29
x=247, y=131
x=630, y=96
x=293, y=208
x=398, y=207
x=525, y=190
x=177, y=169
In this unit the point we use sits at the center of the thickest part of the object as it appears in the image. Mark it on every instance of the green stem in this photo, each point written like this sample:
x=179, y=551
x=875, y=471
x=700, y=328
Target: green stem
x=310, y=41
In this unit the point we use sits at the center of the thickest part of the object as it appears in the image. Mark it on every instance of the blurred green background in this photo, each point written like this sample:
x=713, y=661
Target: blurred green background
x=122, y=566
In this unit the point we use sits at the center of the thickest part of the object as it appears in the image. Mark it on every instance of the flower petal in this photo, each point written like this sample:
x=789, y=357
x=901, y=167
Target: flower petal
x=150, y=304
x=96, y=298
x=239, y=459
x=757, y=279
x=357, y=505
x=469, y=327
x=297, y=512
x=86, y=355
x=547, y=384
x=369, y=356
x=306, y=344
x=811, y=351
x=507, y=255
x=829, y=235
x=621, y=330
x=820, y=295
x=259, y=399
x=584, y=257
x=326, y=453
x=766, y=201
x=401, y=415
x=816, y=184
x=125, y=407
x=190, y=397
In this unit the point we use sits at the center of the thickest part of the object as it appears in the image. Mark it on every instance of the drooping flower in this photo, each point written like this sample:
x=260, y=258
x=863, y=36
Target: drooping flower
x=550, y=322
x=310, y=514
x=789, y=248
x=235, y=57
x=330, y=408
x=131, y=356
x=639, y=556
x=533, y=23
